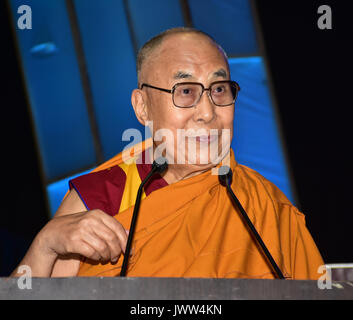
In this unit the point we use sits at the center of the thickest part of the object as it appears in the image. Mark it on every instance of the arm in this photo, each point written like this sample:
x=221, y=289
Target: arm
x=72, y=233
x=307, y=256
x=68, y=266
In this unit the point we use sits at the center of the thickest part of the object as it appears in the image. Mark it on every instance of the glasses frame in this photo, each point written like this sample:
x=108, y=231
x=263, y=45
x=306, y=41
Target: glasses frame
x=232, y=83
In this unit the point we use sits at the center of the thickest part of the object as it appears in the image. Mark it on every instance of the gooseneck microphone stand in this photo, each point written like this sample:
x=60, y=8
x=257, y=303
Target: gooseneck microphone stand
x=158, y=166
x=225, y=177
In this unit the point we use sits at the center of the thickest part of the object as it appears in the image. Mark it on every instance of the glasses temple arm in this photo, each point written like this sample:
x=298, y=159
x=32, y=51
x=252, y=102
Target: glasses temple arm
x=153, y=87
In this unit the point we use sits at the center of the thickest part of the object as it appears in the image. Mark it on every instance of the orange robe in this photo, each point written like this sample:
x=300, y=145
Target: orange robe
x=191, y=229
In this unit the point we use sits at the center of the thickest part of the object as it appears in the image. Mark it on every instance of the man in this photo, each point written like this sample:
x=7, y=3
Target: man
x=187, y=224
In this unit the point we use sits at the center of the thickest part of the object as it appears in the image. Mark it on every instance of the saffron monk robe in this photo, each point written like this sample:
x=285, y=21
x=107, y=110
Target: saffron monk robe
x=187, y=225
x=191, y=228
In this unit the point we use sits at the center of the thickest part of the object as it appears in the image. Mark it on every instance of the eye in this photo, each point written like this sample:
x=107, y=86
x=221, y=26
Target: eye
x=186, y=91
x=219, y=89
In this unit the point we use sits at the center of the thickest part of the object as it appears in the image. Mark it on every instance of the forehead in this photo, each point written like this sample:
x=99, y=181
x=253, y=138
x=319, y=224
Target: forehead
x=193, y=54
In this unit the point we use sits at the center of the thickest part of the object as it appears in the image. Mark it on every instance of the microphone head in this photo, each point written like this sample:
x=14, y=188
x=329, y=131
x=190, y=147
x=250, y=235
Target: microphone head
x=225, y=175
x=160, y=165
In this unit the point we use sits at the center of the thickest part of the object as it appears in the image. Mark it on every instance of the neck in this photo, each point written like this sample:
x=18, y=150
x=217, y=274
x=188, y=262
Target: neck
x=177, y=172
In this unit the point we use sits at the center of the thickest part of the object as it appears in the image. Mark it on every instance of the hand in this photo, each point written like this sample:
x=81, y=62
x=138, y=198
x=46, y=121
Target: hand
x=92, y=234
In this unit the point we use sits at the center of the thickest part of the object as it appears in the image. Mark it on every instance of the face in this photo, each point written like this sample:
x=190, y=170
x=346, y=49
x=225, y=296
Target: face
x=185, y=58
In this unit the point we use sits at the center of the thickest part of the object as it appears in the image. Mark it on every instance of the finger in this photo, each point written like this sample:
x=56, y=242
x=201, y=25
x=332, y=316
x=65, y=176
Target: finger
x=86, y=250
x=111, y=239
x=98, y=244
x=117, y=228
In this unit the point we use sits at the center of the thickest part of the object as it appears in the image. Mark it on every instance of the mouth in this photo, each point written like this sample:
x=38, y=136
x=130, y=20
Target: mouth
x=206, y=138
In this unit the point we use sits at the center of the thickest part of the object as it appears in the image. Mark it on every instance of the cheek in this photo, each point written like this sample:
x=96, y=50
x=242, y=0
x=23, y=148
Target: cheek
x=179, y=118
x=226, y=117
x=171, y=117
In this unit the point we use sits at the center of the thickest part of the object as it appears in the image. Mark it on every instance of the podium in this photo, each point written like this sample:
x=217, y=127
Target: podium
x=131, y=288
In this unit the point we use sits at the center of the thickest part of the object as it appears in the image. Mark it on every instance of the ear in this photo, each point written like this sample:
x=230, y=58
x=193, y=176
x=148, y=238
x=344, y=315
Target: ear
x=139, y=105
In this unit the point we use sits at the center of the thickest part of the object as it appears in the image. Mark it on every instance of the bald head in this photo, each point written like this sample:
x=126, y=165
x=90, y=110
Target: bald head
x=149, y=50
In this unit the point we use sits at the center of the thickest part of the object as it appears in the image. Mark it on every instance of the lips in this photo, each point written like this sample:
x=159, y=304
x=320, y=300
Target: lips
x=206, y=138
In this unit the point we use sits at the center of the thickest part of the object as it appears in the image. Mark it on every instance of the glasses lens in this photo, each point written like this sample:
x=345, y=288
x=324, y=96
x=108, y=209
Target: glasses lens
x=223, y=93
x=186, y=95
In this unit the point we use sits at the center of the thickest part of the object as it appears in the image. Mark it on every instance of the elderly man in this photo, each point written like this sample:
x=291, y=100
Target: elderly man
x=187, y=224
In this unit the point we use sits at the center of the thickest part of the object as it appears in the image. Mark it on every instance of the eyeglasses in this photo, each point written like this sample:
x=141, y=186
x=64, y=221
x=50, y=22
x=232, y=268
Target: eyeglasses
x=188, y=94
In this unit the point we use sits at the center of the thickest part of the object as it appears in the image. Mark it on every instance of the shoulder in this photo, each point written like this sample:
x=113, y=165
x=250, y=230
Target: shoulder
x=101, y=189
x=264, y=191
x=255, y=182
x=114, y=174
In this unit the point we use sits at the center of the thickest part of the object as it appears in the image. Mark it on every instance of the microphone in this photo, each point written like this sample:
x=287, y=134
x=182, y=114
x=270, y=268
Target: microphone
x=158, y=166
x=225, y=177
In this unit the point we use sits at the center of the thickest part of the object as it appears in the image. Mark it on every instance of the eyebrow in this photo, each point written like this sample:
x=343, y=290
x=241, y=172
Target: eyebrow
x=220, y=73
x=182, y=75
x=185, y=75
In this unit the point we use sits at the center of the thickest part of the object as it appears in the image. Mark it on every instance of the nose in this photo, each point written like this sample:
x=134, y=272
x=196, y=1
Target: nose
x=205, y=109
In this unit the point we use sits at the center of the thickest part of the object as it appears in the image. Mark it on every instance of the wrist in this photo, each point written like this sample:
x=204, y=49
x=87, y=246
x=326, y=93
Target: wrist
x=41, y=246
x=40, y=258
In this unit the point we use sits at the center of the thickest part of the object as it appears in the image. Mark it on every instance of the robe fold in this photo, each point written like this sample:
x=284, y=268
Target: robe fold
x=192, y=229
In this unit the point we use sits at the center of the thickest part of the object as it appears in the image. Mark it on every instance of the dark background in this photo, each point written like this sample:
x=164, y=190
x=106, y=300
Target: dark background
x=311, y=71
x=312, y=75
